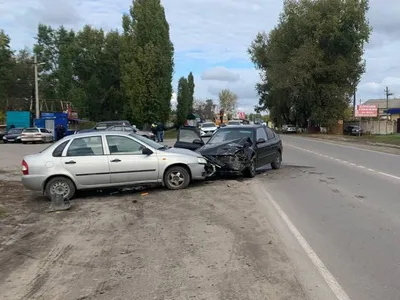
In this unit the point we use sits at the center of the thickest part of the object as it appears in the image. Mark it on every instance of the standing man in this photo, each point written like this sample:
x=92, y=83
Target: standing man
x=160, y=132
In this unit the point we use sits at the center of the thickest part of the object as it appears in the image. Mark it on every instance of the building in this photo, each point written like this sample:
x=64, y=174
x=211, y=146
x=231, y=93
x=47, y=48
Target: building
x=393, y=108
x=388, y=117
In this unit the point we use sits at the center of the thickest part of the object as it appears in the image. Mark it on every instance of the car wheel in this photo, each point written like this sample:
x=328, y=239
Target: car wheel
x=176, y=178
x=5, y=142
x=251, y=170
x=60, y=185
x=277, y=163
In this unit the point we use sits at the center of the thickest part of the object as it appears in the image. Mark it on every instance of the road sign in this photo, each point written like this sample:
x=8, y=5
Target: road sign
x=366, y=111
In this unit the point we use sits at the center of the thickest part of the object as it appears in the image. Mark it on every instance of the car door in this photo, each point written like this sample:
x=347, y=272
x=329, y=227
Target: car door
x=262, y=147
x=274, y=143
x=85, y=160
x=128, y=165
x=189, y=138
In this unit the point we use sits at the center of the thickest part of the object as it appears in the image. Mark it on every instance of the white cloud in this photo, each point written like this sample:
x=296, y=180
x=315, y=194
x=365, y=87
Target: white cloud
x=220, y=74
x=209, y=33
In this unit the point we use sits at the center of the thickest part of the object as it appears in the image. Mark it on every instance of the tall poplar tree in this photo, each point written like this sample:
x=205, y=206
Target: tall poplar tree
x=147, y=62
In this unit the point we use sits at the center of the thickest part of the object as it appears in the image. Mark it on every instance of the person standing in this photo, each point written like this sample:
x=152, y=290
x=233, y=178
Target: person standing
x=160, y=132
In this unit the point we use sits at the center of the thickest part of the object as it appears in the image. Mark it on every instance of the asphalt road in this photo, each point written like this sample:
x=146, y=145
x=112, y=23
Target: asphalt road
x=345, y=201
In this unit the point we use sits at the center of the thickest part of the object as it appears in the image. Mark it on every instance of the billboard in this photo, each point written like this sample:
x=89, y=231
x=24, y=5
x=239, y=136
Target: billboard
x=367, y=111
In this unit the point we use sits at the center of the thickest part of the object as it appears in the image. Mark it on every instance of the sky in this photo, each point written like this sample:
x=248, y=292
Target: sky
x=211, y=38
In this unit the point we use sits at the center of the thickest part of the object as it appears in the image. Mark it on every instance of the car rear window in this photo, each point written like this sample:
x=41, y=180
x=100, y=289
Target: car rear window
x=31, y=130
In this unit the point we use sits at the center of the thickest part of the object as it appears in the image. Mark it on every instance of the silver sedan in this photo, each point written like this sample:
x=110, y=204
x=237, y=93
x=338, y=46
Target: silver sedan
x=109, y=159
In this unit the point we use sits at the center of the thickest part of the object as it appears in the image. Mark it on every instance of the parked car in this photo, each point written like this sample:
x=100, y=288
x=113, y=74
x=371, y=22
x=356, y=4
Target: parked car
x=289, y=129
x=353, y=130
x=13, y=136
x=104, y=125
x=234, y=122
x=109, y=159
x=207, y=128
x=36, y=135
x=235, y=149
x=131, y=129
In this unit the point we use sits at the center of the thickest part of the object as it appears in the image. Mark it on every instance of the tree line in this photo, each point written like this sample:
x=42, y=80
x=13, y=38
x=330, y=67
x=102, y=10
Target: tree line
x=104, y=75
x=311, y=62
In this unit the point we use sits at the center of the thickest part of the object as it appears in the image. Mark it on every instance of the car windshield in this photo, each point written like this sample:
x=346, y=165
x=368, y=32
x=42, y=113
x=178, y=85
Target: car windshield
x=208, y=125
x=31, y=130
x=149, y=142
x=227, y=134
x=234, y=122
x=15, y=131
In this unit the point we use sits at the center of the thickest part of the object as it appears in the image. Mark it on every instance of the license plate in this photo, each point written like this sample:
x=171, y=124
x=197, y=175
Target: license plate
x=11, y=140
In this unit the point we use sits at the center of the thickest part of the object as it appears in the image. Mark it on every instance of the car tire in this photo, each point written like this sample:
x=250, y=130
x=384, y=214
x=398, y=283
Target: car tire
x=62, y=185
x=251, y=171
x=5, y=142
x=176, y=178
x=278, y=161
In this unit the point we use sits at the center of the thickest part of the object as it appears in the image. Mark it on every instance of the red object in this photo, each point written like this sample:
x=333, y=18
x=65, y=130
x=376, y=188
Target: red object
x=241, y=115
x=367, y=111
x=25, y=168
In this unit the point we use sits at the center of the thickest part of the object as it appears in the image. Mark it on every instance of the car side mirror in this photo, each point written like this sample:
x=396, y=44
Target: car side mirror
x=198, y=141
x=260, y=141
x=147, y=151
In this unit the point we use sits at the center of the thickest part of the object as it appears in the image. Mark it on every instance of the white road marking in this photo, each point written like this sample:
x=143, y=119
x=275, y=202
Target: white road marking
x=389, y=175
x=326, y=274
x=341, y=145
x=348, y=163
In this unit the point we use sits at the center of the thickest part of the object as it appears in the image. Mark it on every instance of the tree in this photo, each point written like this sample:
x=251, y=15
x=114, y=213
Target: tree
x=312, y=60
x=7, y=64
x=191, y=87
x=205, y=109
x=228, y=101
x=182, y=108
x=147, y=57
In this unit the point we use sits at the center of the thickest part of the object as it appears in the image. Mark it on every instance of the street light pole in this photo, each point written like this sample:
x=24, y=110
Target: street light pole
x=36, y=87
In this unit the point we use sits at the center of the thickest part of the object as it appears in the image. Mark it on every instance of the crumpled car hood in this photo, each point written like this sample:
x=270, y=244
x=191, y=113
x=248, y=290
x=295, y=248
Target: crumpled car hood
x=225, y=148
x=229, y=156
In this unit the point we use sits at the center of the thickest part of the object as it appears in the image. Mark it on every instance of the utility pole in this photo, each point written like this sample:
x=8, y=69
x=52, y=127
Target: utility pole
x=354, y=101
x=387, y=93
x=36, y=87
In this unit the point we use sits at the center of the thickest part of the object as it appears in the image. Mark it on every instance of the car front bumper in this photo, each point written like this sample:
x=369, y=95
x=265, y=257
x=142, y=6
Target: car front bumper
x=198, y=171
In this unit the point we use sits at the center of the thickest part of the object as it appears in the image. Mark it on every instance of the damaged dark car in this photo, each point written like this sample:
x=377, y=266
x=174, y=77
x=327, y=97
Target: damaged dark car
x=237, y=150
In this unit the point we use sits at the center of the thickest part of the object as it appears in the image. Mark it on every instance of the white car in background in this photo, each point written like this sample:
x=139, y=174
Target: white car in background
x=207, y=128
x=36, y=135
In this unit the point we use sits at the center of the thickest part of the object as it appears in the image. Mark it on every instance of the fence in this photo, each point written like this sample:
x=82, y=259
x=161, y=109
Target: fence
x=377, y=126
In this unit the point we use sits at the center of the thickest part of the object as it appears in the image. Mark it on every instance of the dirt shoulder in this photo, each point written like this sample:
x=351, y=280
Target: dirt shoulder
x=381, y=143
x=209, y=241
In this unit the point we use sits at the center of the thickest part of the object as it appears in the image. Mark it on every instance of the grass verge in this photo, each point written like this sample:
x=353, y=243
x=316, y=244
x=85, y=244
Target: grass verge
x=170, y=134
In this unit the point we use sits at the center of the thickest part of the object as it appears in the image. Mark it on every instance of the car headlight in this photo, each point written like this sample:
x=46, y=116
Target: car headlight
x=201, y=160
x=4, y=138
x=18, y=137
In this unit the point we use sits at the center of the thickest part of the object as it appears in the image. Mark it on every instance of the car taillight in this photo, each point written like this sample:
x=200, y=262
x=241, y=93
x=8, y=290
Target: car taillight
x=25, y=168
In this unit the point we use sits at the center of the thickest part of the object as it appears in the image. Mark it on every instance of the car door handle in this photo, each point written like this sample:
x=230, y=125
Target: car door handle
x=71, y=162
x=116, y=160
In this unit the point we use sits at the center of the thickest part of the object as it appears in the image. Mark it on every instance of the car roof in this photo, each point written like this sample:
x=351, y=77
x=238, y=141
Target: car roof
x=94, y=133
x=244, y=126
